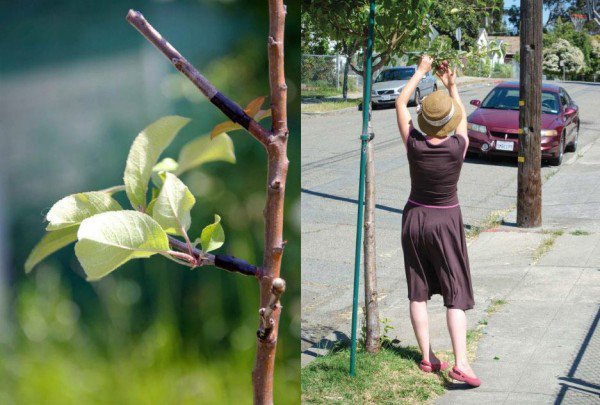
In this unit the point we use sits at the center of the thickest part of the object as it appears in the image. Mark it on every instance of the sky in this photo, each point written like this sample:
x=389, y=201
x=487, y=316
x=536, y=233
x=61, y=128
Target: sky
x=509, y=3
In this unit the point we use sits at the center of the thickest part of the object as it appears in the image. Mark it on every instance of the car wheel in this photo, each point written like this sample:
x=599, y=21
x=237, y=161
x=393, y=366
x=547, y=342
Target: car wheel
x=417, y=100
x=556, y=161
x=573, y=146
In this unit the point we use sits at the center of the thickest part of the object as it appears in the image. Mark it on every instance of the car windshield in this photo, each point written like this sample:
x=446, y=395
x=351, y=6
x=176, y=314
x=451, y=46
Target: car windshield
x=395, y=74
x=504, y=98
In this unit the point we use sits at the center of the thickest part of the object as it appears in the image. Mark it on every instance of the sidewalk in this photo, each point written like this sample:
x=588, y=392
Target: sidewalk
x=543, y=346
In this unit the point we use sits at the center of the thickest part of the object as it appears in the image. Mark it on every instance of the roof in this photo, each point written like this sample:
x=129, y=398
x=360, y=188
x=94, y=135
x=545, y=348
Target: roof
x=513, y=44
x=545, y=86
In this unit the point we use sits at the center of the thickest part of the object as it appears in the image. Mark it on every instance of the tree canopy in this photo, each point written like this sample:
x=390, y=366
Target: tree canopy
x=399, y=27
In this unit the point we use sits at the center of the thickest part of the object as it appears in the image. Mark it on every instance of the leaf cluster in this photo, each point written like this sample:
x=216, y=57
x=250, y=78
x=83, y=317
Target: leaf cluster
x=441, y=50
x=108, y=235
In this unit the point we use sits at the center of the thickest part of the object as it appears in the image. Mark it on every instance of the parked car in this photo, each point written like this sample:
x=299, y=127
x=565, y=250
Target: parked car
x=390, y=82
x=493, y=126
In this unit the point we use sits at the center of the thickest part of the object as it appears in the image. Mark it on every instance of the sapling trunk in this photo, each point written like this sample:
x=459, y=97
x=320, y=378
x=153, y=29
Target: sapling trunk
x=264, y=366
x=372, y=341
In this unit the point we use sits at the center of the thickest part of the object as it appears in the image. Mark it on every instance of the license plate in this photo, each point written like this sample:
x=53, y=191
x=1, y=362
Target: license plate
x=505, y=145
x=385, y=97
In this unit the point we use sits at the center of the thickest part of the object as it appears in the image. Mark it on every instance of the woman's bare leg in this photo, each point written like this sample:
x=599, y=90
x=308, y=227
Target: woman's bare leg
x=457, y=326
x=420, y=322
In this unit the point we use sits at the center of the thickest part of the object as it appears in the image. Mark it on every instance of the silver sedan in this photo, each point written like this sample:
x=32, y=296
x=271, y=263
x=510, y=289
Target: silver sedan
x=390, y=82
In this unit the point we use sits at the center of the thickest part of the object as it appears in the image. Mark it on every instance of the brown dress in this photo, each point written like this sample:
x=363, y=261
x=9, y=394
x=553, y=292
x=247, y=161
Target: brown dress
x=433, y=238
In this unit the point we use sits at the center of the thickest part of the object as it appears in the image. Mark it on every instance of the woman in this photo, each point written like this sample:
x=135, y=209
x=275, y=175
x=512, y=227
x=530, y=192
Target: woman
x=433, y=239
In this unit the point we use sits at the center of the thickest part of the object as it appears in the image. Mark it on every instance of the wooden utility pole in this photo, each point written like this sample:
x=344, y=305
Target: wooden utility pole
x=529, y=195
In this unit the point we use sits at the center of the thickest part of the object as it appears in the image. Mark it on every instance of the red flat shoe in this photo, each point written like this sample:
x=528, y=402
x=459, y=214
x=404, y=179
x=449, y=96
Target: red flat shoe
x=428, y=367
x=458, y=375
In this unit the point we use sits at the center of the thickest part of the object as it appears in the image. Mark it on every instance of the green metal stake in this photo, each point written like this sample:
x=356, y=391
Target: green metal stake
x=361, y=181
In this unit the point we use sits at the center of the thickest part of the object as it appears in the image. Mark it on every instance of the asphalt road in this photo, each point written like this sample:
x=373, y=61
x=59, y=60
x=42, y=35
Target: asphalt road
x=330, y=158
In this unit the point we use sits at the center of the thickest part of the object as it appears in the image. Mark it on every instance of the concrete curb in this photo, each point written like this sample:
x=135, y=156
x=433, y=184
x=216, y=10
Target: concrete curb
x=578, y=82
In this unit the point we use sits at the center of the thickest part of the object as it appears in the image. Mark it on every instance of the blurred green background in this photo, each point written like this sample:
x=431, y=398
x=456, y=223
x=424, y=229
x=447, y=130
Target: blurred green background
x=77, y=84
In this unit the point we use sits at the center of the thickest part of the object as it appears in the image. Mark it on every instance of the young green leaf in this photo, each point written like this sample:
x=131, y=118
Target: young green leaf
x=203, y=150
x=253, y=106
x=223, y=127
x=114, y=189
x=108, y=240
x=144, y=153
x=166, y=165
x=73, y=209
x=50, y=243
x=171, y=209
x=212, y=236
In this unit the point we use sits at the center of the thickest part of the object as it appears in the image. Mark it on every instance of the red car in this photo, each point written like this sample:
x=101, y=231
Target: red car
x=493, y=126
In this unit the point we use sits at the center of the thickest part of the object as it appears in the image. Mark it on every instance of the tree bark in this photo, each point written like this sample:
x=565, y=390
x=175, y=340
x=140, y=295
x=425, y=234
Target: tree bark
x=345, y=85
x=372, y=342
x=262, y=374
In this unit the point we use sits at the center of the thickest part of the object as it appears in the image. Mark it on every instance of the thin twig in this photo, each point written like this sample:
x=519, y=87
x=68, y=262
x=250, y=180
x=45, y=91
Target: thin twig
x=187, y=240
x=227, y=106
x=178, y=261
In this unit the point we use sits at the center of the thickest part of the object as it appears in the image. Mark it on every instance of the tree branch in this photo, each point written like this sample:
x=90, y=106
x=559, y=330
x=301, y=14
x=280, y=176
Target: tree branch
x=227, y=106
x=224, y=262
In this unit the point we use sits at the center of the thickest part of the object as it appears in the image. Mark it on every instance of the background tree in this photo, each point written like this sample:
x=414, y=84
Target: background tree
x=513, y=15
x=564, y=29
x=595, y=54
x=563, y=51
x=562, y=9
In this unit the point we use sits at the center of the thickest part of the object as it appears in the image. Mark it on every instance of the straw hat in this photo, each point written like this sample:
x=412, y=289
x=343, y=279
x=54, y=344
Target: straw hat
x=439, y=114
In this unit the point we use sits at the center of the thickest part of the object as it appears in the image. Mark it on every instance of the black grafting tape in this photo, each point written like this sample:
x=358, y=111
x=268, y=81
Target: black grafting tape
x=234, y=264
x=231, y=109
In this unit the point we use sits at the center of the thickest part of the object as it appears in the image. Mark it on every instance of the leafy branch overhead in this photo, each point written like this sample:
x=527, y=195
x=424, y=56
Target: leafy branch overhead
x=441, y=49
x=108, y=235
x=400, y=24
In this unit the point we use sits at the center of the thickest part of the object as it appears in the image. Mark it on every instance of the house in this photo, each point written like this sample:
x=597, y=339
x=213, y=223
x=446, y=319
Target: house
x=483, y=41
x=513, y=44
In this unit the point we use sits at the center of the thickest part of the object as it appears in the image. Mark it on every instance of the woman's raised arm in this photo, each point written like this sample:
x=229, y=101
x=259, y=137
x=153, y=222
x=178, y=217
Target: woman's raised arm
x=404, y=120
x=448, y=77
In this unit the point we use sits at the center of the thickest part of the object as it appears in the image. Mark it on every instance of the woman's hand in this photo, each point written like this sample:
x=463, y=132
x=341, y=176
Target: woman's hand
x=447, y=75
x=425, y=64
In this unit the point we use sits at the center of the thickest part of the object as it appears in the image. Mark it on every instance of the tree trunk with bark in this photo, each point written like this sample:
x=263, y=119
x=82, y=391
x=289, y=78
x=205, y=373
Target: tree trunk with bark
x=345, y=84
x=372, y=341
